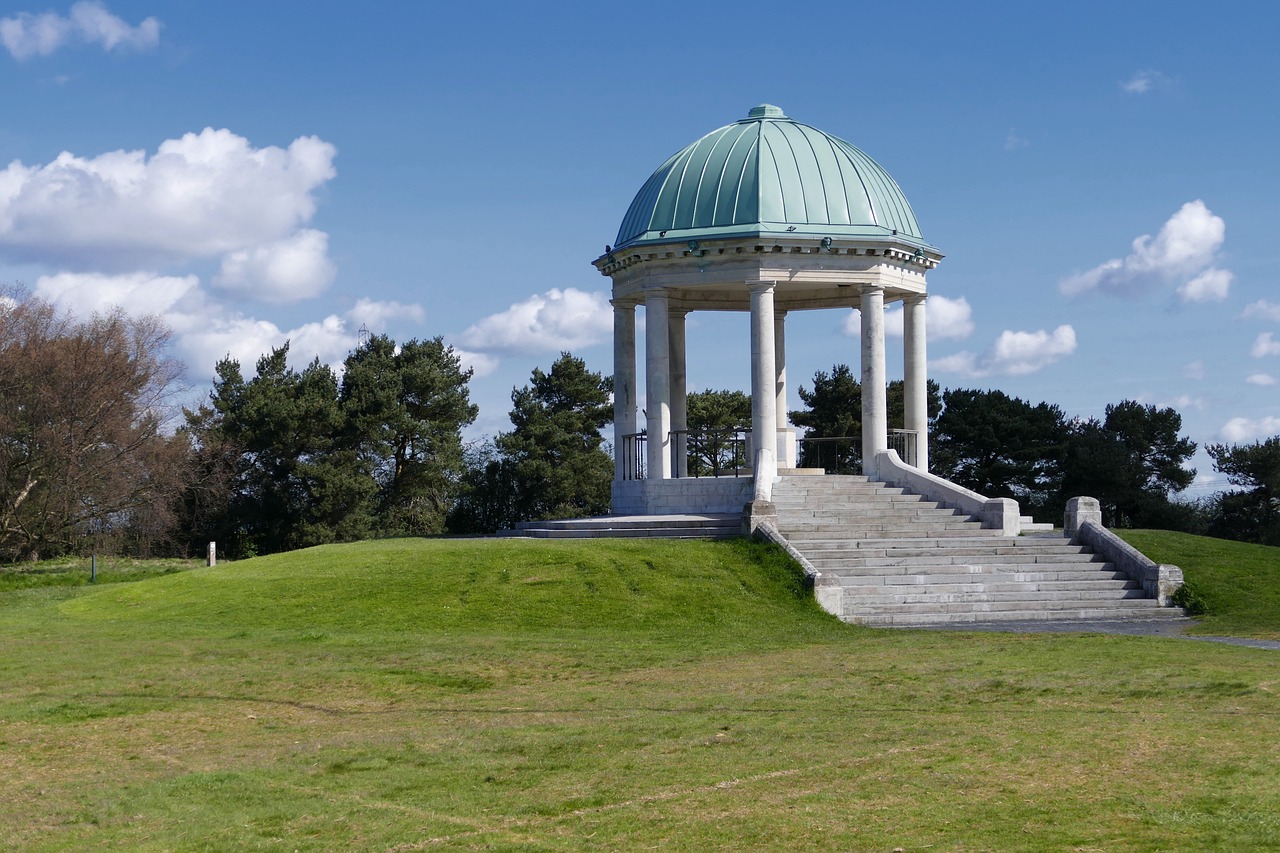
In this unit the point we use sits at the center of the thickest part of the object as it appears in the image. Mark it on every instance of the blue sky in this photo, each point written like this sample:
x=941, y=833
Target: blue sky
x=1101, y=177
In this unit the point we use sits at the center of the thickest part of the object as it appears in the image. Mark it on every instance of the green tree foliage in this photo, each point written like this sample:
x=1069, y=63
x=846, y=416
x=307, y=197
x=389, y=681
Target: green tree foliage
x=1000, y=446
x=82, y=449
x=1130, y=461
x=835, y=411
x=1251, y=514
x=552, y=464
x=404, y=411
x=289, y=458
x=713, y=419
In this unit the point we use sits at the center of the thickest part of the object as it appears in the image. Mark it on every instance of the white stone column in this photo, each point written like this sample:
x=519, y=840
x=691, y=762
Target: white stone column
x=624, y=390
x=875, y=417
x=657, y=366
x=679, y=390
x=780, y=365
x=916, y=379
x=764, y=399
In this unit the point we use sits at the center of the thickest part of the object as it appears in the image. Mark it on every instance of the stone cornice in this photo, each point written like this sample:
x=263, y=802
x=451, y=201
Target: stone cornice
x=906, y=254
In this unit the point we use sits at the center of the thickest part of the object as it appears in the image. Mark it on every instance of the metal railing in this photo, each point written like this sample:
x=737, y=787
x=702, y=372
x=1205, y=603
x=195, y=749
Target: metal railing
x=708, y=452
x=843, y=454
x=633, y=456
x=905, y=441
x=833, y=454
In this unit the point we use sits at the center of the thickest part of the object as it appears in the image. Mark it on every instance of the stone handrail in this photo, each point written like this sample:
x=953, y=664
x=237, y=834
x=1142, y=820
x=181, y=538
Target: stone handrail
x=1001, y=514
x=1082, y=521
x=826, y=588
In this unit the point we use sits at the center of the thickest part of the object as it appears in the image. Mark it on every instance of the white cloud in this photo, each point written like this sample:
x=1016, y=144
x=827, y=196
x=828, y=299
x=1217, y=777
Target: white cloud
x=377, y=315
x=1264, y=345
x=1144, y=81
x=136, y=293
x=480, y=364
x=26, y=35
x=1013, y=354
x=204, y=195
x=1210, y=286
x=557, y=320
x=1239, y=430
x=944, y=318
x=1193, y=370
x=287, y=270
x=1263, y=379
x=1262, y=310
x=247, y=339
x=1185, y=246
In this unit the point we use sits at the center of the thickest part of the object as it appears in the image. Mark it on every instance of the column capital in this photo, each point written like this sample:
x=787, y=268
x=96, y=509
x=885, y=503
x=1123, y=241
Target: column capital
x=914, y=298
x=761, y=286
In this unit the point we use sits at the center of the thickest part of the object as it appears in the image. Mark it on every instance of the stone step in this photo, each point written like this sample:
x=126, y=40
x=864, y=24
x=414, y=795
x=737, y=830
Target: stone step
x=879, y=509
x=899, y=576
x=859, y=587
x=888, y=531
x=1024, y=599
x=904, y=619
x=1057, y=605
x=860, y=562
x=841, y=550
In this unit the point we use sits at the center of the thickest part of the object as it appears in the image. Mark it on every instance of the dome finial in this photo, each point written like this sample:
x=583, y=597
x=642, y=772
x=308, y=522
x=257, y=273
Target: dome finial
x=766, y=111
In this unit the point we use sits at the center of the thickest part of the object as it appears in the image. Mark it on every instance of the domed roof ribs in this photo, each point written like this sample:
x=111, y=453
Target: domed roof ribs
x=764, y=174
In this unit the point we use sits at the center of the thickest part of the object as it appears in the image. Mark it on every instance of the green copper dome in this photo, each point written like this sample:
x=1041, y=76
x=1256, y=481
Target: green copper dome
x=767, y=174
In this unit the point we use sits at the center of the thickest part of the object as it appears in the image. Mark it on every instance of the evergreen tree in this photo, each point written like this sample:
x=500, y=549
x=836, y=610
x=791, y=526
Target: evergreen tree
x=556, y=448
x=713, y=418
x=1001, y=447
x=404, y=410
x=1130, y=462
x=835, y=411
x=1252, y=514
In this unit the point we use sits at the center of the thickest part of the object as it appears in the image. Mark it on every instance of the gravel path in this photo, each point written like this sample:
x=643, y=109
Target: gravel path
x=1136, y=627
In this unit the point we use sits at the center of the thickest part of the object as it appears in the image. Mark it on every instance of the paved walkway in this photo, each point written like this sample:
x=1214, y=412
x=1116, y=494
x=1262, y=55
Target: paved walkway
x=1136, y=627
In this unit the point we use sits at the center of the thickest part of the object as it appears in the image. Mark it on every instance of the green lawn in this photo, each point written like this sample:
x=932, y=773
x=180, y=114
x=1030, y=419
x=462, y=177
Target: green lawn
x=513, y=695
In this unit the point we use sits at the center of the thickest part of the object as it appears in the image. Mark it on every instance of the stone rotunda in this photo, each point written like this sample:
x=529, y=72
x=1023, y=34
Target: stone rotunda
x=766, y=215
x=769, y=216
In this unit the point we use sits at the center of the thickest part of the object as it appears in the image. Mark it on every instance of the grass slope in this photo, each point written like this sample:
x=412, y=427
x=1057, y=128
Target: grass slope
x=513, y=695
x=1239, y=583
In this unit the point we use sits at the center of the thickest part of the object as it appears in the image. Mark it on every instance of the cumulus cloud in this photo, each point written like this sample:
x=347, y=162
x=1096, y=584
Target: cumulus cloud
x=1262, y=310
x=1184, y=250
x=26, y=35
x=1263, y=379
x=246, y=339
x=548, y=322
x=1013, y=354
x=377, y=315
x=1239, y=430
x=204, y=195
x=479, y=363
x=1144, y=81
x=1210, y=286
x=287, y=270
x=944, y=318
x=1265, y=345
x=137, y=293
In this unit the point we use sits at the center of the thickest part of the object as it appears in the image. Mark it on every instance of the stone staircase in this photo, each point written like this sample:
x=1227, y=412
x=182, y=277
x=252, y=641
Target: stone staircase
x=900, y=560
x=709, y=526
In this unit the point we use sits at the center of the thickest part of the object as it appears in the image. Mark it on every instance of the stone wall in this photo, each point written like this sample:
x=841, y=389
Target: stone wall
x=686, y=496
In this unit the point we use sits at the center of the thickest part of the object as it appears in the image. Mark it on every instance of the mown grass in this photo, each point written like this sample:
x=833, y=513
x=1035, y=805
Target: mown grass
x=512, y=695
x=79, y=571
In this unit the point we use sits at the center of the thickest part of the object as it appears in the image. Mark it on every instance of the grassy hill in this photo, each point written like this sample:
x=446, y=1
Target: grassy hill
x=513, y=695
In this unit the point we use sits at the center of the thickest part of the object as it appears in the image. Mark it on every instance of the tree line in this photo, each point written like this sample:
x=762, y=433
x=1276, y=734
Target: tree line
x=282, y=458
